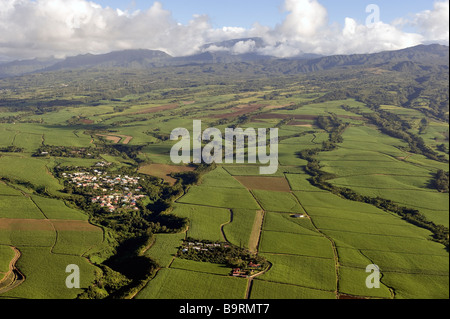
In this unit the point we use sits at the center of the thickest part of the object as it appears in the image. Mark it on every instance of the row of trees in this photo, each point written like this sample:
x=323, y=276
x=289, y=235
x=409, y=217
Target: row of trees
x=11, y=149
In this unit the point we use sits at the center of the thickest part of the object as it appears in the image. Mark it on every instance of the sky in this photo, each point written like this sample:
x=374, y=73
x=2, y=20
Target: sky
x=42, y=28
x=244, y=13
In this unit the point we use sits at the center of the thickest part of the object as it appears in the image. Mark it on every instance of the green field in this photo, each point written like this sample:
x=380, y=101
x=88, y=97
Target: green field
x=6, y=255
x=220, y=178
x=294, y=244
x=25, y=168
x=19, y=207
x=353, y=282
x=220, y=197
x=287, y=223
x=278, y=201
x=165, y=247
x=205, y=222
x=46, y=275
x=200, y=267
x=8, y=191
x=307, y=272
x=178, y=284
x=270, y=290
x=55, y=209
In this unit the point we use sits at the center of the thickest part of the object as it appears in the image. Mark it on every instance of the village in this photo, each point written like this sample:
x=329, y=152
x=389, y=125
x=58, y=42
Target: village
x=112, y=192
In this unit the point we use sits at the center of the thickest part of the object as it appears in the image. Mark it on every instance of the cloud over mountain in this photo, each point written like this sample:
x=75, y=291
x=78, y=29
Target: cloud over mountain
x=42, y=28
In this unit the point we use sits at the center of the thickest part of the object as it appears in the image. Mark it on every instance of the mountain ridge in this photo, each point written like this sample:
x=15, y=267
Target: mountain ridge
x=433, y=54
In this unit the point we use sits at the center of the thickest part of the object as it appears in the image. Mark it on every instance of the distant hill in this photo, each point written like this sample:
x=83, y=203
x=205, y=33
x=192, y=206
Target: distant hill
x=406, y=60
x=220, y=57
x=16, y=68
x=122, y=59
x=401, y=60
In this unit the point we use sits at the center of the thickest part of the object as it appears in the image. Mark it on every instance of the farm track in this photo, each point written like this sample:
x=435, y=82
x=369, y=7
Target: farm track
x=256, y=232
x=14, y=276
x=250, y=281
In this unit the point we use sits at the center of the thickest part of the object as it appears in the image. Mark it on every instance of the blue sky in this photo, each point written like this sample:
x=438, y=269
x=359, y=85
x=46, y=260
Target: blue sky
x=243, y=13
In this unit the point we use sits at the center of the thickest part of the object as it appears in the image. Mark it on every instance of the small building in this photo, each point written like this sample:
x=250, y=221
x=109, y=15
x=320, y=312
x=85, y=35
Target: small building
x=236, y=272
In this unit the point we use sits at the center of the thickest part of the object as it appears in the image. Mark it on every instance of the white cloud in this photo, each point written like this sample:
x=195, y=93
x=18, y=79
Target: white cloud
x=68, y=27
x=434, y=24
x=306, y=18
x=40, y=28
x=242, y=47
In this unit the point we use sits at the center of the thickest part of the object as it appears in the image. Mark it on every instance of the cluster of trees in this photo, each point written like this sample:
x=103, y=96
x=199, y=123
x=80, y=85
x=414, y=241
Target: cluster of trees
x=441, y=181
x=10, y=119
x=271, y=96
x=423, y=125
x=187, y=179
x=67, y=151
x=442, y=148
x=334, y=126
x=225, y=254
x=125, y=151
x=160, y=136
x=11, y=149
x=79, y=120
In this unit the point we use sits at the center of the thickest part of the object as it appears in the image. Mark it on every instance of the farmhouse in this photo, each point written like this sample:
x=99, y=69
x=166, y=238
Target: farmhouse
x=237, y=272
x=252, y=265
